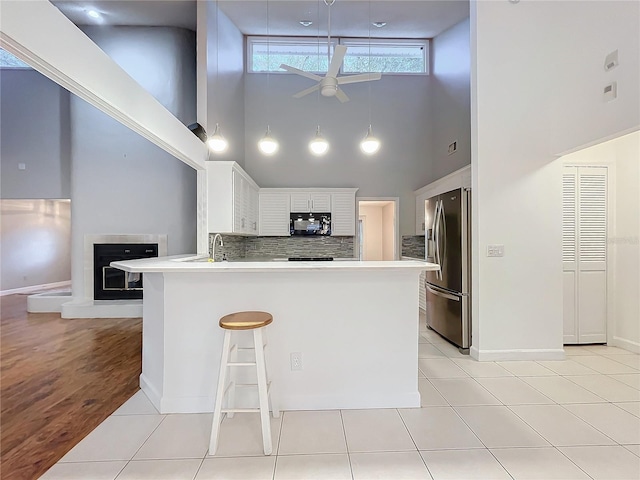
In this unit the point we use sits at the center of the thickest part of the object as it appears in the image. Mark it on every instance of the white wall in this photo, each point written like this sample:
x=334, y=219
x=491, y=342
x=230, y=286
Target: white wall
x=388, y=231
x=122, y=183
x=400, y=116
x=225, y=84
x=534, y=96
x=35, y=131
x=450, y=106
x=36, y=242
x=621, y=156
x=372, y=229
x=626, y=243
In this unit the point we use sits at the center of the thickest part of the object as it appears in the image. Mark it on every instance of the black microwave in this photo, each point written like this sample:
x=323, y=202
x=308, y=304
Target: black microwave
x=310, y=224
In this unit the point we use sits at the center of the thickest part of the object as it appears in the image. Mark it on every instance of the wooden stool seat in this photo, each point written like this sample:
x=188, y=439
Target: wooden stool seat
x=255, y=321
x=245, y=320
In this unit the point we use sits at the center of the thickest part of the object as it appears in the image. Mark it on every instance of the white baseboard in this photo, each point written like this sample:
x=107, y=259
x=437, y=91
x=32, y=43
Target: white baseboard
x=35, y=288
x=149, y=390
x=516, y=354
x=47, y=302
x=626, y=344
x=102, y=309
x=167, y=405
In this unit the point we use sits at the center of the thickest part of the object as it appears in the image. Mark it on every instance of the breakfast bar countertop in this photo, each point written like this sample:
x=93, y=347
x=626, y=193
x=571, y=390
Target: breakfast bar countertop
x=195, y=263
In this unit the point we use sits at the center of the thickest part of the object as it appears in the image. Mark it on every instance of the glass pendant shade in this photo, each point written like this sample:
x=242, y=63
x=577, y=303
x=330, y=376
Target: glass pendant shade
x=267, y=144
x=319, y=145
x=370, y=144
x=217, y=143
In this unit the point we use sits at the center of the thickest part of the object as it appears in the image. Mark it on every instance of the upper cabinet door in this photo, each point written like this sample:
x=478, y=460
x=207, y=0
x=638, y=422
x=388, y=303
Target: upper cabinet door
x=300, y=202
x=274, y=215
x=320, y=202
x=343, y=214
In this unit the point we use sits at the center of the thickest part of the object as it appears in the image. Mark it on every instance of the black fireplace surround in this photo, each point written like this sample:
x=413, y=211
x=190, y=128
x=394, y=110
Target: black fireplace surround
x=111, y=283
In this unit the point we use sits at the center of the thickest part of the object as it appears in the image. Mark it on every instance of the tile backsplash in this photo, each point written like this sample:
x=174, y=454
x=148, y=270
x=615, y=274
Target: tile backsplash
x=236, y=247
x=413, y=246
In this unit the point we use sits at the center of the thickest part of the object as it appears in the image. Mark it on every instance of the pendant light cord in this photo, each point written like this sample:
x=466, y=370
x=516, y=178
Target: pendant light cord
x=369, y=63
x=268, y=59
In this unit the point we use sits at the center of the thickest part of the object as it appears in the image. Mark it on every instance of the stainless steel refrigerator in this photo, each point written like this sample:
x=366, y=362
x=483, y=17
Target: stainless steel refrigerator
x=448, y=243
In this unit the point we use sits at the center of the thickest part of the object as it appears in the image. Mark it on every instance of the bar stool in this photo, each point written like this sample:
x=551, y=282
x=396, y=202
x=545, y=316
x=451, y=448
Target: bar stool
x=255, y=321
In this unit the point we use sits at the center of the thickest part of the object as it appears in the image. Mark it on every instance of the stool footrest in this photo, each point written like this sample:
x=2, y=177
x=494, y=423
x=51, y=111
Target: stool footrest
x=240, y=410
x=241, y=364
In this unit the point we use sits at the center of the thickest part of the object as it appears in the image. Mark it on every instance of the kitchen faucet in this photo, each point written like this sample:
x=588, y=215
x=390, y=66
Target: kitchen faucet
x=212, y=255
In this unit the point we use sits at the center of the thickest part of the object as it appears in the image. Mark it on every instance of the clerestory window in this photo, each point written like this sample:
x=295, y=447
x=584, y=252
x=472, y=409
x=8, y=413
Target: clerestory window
x=390, y=56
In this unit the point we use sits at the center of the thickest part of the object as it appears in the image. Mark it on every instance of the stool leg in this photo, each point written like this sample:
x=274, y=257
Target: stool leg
x=217, y=412
x=262, y=391
x=274, y=405
x=233, y=377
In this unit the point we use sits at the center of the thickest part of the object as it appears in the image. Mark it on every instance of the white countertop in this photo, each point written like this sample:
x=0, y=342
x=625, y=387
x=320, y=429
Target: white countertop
x=195, y=264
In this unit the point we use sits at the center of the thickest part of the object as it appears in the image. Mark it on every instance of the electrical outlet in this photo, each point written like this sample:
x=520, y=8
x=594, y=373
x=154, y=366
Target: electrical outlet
x=296, y=361
x=22, y=166
x=495, y=250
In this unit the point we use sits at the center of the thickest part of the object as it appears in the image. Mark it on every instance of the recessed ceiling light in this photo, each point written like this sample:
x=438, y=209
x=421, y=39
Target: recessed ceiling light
x=93, y=14
x=379, y=24
x=306, y=23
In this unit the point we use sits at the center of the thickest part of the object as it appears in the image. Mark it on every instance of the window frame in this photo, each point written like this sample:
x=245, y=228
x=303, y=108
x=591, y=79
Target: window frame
x=251, y=40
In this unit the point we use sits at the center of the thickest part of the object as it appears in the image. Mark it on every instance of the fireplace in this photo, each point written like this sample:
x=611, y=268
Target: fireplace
x=111, y=283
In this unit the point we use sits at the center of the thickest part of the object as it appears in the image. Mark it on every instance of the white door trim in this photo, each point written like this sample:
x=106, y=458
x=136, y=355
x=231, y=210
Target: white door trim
x=396, y=223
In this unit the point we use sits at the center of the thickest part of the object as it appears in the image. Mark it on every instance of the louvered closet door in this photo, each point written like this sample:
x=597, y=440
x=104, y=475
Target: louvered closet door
x=585, y=254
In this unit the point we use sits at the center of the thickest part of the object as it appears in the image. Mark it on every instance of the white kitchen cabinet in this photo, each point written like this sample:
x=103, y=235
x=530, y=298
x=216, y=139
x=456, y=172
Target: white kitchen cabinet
x=232, y=199
x=274, y=213
x=343, y=213
x=584, y=254
x=458, y=179
x=276, y=205
x=316, y=202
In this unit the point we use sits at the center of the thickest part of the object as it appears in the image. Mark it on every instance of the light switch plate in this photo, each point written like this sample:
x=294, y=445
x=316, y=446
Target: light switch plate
x=495, y=250
x=610, y=92
x=22, y=166
x=611, y=61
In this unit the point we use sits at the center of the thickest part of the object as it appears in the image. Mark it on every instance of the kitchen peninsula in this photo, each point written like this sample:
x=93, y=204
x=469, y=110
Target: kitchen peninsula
x=353, y=324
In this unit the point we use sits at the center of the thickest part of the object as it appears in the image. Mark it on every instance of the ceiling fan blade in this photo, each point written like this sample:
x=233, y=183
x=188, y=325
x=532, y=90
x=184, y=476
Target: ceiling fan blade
x=307, y=91
x=297, y=71
x=363, y=77
x=336, y=60
x=340, y=95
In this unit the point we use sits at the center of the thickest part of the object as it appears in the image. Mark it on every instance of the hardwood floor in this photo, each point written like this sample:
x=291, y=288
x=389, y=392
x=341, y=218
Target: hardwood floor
x=59, y=379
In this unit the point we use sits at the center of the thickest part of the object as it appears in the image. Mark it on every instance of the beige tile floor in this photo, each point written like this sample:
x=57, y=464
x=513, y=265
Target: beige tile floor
x=572, y=419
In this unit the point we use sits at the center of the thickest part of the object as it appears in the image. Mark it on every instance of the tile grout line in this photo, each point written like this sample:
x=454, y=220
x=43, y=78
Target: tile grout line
x=275, y=463
x=141, y=445
x=414, y=442
x=346, y=444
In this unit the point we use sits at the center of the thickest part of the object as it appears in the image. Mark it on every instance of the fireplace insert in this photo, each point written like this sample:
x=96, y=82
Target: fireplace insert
x=111, y=283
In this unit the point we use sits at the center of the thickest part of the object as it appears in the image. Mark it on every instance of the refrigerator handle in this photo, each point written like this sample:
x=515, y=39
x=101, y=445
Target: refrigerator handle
x=436, y=236
x=440, y=293
x=439, y=207
x=444, y=236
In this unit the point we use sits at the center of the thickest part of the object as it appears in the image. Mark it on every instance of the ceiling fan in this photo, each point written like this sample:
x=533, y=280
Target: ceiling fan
x=329, y=85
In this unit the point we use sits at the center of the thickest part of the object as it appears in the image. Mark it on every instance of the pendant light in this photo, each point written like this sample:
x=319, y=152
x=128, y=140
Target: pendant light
x=370, y=144
x=319, y=145
x=217, y=143
x=267, y=144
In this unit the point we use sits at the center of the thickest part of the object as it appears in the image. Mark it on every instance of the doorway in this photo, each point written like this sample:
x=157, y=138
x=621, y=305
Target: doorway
x=378, y=232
